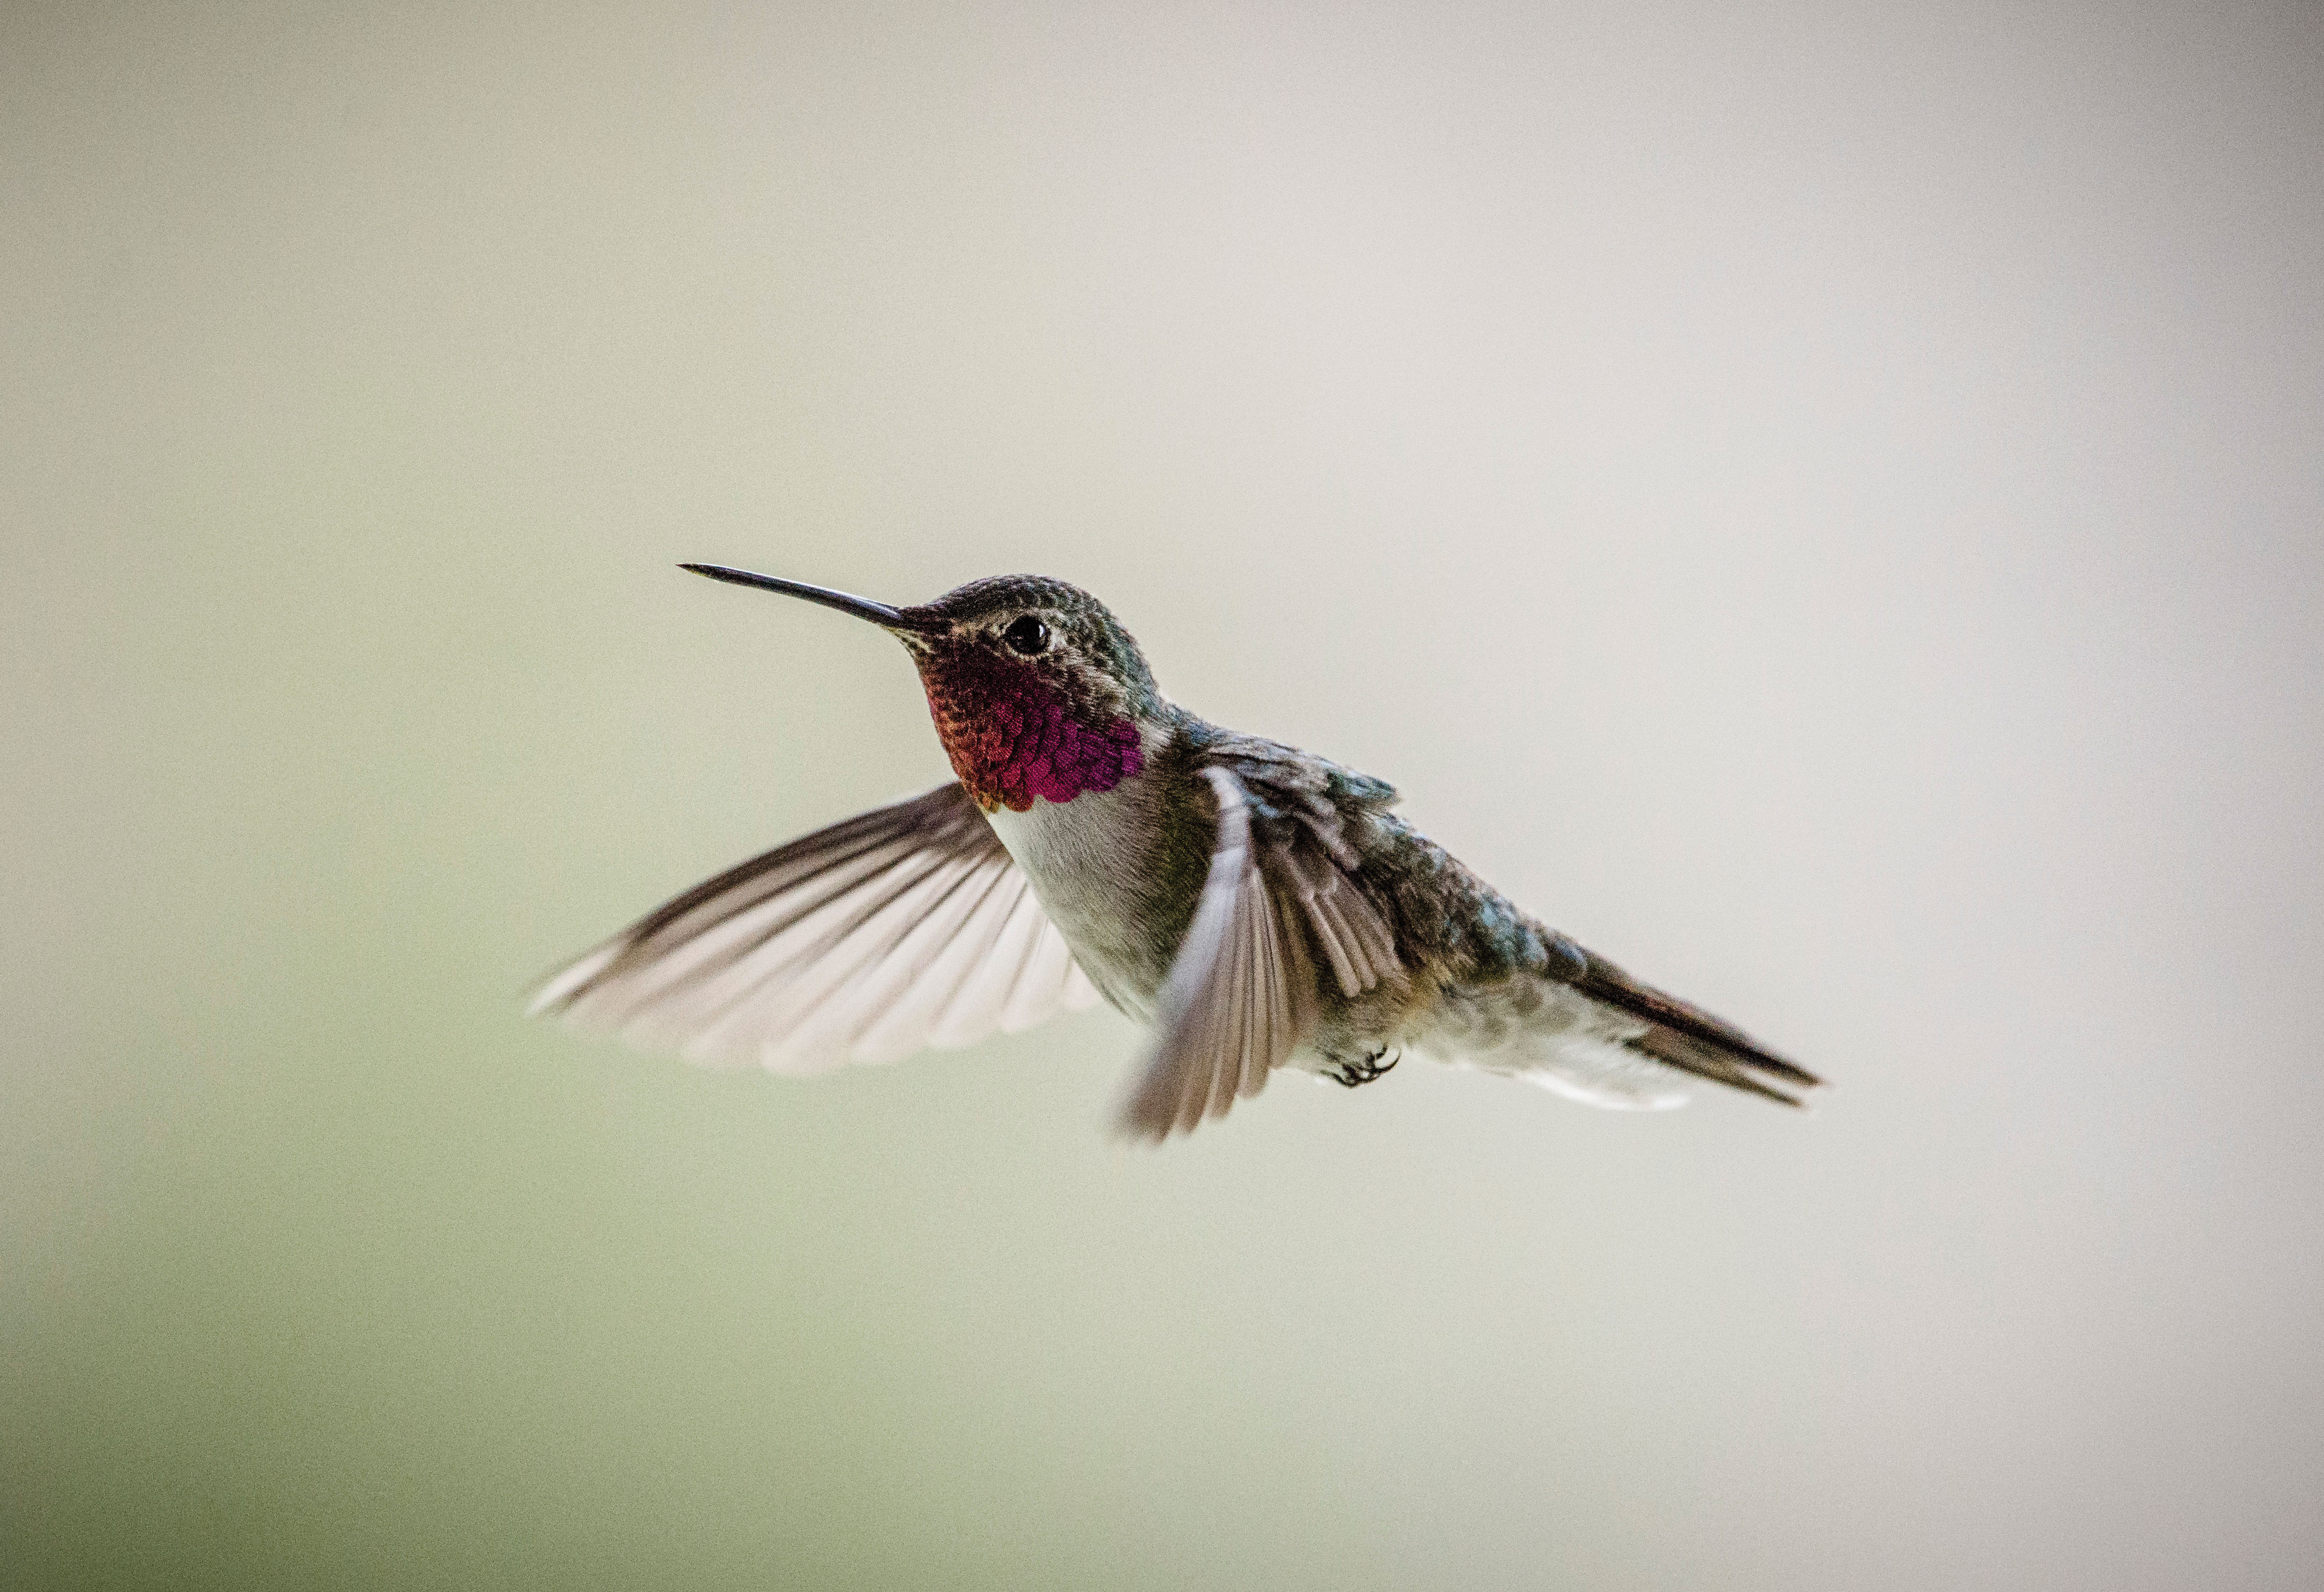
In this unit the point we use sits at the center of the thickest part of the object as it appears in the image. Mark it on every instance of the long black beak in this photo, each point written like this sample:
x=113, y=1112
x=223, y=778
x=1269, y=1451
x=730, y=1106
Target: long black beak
x=878, y=613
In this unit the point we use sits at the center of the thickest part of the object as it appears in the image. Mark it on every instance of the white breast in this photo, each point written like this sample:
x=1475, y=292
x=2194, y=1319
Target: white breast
x=1086, y=858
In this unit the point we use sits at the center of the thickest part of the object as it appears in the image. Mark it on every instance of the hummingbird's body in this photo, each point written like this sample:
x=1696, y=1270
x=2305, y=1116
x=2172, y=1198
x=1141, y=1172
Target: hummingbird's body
x=1262, y=906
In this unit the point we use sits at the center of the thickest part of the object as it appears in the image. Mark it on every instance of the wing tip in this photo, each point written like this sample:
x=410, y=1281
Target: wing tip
x=1164, y=1106
x=1150, y=1115
x=1134, y=1126
x=1131, y=1129
x=559, y=992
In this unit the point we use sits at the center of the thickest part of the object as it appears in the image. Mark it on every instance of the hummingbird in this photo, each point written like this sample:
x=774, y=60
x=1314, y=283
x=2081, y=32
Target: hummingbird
x=1257, y=907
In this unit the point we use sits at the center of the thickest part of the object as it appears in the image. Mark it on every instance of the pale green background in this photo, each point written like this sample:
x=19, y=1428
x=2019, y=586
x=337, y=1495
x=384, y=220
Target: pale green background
x=1822, y=503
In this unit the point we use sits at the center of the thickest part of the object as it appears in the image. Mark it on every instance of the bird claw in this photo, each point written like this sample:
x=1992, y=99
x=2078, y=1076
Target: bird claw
x=1350, y=1074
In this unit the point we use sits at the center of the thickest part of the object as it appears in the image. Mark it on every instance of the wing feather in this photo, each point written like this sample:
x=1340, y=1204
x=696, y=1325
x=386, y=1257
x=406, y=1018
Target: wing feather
x=870, y=979
x=1045, y=983
x=1236, y=1005
x=901, y=927
x=965, y=991
x=1355, y=940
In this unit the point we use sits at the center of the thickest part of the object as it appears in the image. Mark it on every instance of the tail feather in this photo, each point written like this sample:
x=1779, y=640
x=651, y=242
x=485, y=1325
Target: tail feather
x=1691, y=1039
x=1702, y=1060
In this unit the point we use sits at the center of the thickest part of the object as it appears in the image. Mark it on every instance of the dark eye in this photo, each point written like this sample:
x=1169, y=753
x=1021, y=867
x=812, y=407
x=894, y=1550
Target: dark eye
x=1026, y=634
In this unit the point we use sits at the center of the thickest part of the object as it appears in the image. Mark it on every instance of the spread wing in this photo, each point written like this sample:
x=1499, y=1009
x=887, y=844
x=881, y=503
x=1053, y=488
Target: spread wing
x=1240, y=994
x=905, y=926
x=1302, y=809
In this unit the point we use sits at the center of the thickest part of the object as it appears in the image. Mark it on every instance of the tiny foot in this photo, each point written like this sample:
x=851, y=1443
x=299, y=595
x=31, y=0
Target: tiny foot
x=1351, y=1074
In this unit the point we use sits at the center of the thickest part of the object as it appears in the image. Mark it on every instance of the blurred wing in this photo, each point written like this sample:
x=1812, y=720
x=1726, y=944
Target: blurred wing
x=1241, y=995
x=903, y=927
x=1304, y=812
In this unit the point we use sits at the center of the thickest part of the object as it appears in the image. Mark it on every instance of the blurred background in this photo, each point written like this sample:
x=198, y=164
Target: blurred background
x=1825, y=503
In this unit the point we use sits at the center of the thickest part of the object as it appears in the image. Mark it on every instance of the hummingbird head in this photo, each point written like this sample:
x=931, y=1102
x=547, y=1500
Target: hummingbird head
x=1036, y=689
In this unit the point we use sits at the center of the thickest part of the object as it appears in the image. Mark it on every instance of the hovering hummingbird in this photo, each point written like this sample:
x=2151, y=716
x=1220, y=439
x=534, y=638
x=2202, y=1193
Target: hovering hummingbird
x=1259, y=907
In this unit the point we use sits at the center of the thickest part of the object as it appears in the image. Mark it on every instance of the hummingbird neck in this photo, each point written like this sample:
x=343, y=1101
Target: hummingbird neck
x=1016, y=732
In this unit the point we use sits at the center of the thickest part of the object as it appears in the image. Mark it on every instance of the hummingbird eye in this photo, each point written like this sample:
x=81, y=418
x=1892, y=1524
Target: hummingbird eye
x=1027, y=635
